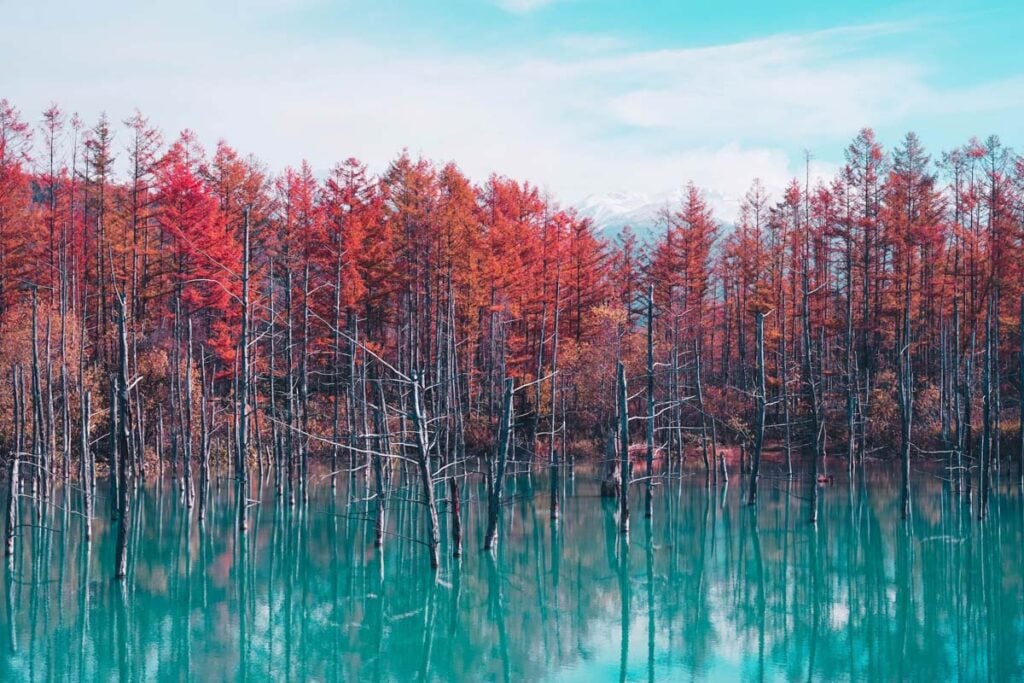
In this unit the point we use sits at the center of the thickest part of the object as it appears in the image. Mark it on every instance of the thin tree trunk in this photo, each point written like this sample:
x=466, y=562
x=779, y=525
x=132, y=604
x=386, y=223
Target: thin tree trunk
x=553, y=453
x=419, y=423
x=242, y=425
x=760, y=408
x=649, y=498
x=83, y=463
x=986, y=412
x=383, y=447
x=784, y=381
x=113, y=471
x=624, y=464
x=1021, y=379
x=124, y=445
x=497, y=467
x=703, y=419
x=12, y=507
x=906, y=399
x=204, y=447
x=817, y=428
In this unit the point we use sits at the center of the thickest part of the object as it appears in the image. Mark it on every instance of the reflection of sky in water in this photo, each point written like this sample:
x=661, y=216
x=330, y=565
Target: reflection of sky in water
x=709, y=590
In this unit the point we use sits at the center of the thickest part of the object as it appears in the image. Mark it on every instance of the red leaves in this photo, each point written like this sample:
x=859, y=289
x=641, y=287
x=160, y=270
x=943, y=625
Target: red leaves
x=681, y=263
x=16, y=211
x=205, y=257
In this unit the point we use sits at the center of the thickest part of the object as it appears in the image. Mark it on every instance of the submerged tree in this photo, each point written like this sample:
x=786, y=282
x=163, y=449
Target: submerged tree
x=417, y=329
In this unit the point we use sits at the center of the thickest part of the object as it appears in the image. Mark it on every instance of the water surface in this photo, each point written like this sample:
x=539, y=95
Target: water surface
x=708, y=590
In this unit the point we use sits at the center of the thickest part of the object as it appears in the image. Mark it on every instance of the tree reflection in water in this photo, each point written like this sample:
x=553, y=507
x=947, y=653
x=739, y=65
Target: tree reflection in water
x=708, y=588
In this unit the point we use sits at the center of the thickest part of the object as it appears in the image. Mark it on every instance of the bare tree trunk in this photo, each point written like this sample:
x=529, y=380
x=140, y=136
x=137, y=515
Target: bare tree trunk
x=289, y=437
x=755, y=472
x=204, y=447
x=1021, y=371
x=242, y=426
x=986, y=411
x=906, y=400
x=649, y=498
x=17, y=426
x=65, y=420
x=124, y=445
x=83, y=463
x=553, y=453
x=337, y=375
x=190, y=491
x=275, y=427
x=113, y=471
x=784, y=381
x=852, y=372
x=12, y=507
x=383, y=447
x=496, y=467
x=304, y=388
x=996, y=385
x=817, y=428
x=531, y=438
x=160, y=442
x=39, y=464
x=419, y=423
x=958, y=396
x=703, y=419
x=624, y=464
x=175, y=389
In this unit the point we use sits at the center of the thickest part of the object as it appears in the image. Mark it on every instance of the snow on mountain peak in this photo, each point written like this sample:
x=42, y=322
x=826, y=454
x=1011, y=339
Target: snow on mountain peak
x=611, y=211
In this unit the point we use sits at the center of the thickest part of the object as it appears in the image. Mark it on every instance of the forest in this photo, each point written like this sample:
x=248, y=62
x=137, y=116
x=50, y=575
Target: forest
x=168, y=311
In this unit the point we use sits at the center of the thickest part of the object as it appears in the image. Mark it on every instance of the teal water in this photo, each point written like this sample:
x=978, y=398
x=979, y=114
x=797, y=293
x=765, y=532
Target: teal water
x=709, y=590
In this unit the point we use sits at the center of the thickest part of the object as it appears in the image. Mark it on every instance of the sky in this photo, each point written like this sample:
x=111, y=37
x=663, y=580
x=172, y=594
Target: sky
x=581, y=97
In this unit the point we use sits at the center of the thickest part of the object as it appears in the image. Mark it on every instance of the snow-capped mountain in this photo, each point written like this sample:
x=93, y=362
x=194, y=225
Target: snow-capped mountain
x=642, y=212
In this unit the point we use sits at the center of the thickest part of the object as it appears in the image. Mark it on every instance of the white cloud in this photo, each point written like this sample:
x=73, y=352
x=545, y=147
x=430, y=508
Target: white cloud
x=523, y=6
x=576, y=121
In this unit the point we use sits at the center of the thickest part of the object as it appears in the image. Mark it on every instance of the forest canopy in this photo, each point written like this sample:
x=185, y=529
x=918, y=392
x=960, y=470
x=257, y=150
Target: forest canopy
x=889, y=298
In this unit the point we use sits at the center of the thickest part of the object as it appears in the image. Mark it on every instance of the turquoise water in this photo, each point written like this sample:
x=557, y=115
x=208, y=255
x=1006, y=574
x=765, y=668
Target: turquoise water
x=708, y=590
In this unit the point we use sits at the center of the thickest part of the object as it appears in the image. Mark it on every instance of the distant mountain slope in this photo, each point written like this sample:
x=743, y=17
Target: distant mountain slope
x=610, y=212
x=642, y=212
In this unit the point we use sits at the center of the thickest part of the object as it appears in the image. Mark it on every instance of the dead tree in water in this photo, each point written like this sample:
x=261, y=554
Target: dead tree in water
x=288, y=451
x=204, y=437
x=304, y=389
x=84, y=466
x=649, y=500
x=40, y=466
x=241, y=429
x=611, y=485
x=12, y=506
x=275, y=431
x=810, y=386
x=709, y=461
x=984, y=476
x=624, y=467
x=553, y=453
x=496, y=467
x=784, y=384
x=124, y=444
x=18, y=425
x=958, y=396
x=113, y=471
x=419, y=423
x=906, y=401
x=755, y=472
x=190, y=489
x=1020, y=360
x=380, y=419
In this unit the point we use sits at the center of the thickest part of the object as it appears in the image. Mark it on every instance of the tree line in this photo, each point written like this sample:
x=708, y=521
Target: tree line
x=168, y=310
